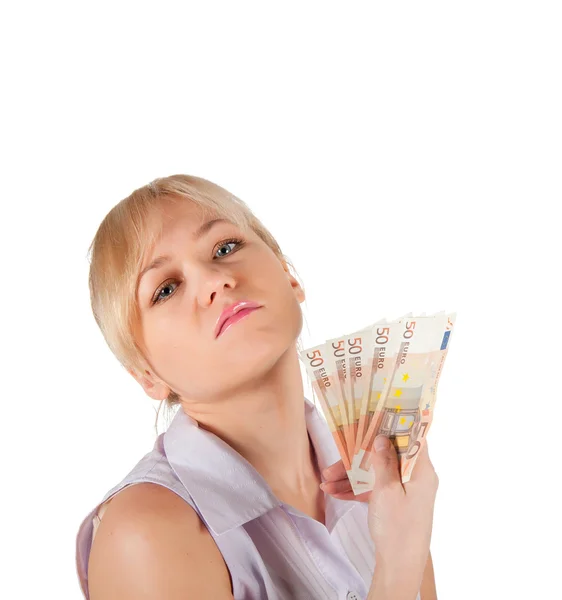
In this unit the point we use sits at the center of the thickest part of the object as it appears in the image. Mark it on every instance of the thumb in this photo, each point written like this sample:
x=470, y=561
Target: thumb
x=385, y=462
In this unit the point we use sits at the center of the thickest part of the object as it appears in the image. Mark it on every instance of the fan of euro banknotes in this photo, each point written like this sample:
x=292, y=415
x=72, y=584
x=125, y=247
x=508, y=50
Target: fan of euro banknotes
x=380, y=379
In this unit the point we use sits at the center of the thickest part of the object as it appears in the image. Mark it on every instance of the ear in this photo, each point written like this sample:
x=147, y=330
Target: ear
x=154, y=388
x=299, y=292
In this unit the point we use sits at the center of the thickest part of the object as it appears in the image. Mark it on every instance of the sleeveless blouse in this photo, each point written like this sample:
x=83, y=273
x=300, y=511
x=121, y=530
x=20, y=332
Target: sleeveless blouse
x=271, y=549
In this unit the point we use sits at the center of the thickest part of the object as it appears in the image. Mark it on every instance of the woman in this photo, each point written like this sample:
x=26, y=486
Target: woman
x=196, y=300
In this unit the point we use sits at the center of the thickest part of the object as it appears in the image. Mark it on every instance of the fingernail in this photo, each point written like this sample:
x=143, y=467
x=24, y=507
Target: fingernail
x=381, y=443
x=325, y=473
x=322, y=486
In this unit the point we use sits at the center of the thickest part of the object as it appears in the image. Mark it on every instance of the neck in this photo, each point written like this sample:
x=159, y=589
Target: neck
x=266, y=425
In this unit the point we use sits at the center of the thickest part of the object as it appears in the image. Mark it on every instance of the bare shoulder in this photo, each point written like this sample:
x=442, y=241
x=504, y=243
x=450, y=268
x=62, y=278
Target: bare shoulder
x=152, y=544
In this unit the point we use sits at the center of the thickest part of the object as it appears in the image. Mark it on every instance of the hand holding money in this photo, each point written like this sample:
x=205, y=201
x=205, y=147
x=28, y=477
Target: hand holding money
x=380, y=380
x=400, y=520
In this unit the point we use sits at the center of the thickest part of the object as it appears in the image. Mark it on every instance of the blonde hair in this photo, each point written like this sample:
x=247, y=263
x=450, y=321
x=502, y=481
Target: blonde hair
x=120, y=246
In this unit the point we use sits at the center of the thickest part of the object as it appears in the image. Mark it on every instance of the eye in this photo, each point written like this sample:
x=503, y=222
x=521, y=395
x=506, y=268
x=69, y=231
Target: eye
x=227, y=242
x=157, y=299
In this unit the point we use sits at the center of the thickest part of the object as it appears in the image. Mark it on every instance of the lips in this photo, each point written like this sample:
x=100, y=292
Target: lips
x=234, y=313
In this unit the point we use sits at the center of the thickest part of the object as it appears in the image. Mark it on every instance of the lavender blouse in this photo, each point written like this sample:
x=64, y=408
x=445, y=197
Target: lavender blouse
x=272, y=550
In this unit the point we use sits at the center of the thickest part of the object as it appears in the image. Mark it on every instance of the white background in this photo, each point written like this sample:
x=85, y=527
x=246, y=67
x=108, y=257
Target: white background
x=406, y=156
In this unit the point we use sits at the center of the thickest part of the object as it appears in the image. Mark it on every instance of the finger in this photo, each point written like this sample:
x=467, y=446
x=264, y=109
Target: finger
x=335, y=471
x=337, y=487
x=423, y=467
x=364, y=497
x=385, y=463
x=423, y=457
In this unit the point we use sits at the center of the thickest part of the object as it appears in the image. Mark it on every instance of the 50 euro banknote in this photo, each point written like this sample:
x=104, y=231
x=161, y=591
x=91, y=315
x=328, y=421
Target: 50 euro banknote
x=382, y=379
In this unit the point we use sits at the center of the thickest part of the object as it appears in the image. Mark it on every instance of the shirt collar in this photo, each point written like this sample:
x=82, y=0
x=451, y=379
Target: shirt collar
x=227, y=490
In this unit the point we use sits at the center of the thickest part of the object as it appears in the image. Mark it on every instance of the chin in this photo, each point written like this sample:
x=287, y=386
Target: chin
x=256, y=356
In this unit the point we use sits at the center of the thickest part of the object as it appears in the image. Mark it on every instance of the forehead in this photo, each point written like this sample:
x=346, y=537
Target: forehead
x=169, y=211
x=170, y=216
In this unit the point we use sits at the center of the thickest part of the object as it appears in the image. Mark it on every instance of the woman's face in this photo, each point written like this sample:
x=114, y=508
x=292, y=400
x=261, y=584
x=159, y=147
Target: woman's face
x=181, y=299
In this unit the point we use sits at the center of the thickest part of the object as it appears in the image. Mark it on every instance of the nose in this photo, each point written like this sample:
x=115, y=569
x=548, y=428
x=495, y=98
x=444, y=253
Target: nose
x=212, y=285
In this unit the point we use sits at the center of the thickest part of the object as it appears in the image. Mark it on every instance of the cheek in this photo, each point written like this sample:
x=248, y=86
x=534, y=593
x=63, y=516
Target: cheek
x=170, y=342
x=290, y=309
x=282, y=324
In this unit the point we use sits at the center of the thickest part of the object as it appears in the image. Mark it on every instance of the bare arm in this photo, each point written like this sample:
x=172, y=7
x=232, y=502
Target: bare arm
x=428, y=590
x=392, y=586
x=151, y=544
x=396, y=586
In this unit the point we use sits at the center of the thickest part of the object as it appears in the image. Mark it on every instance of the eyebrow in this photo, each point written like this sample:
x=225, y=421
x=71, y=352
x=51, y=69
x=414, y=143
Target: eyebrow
x=199, y=233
